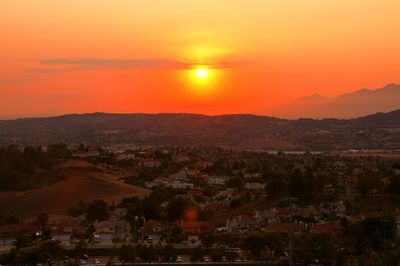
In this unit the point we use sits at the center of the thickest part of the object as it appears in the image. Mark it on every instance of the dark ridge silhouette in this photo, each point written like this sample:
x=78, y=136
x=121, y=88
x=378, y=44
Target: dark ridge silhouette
x=242, y=131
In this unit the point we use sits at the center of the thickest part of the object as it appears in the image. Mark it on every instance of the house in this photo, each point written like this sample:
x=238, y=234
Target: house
x=197, y=228
x=126, y=156
x=255, y=186
x=332, y=208
x=252, y=175
x=150, y=163
x=111, y=229
x=168, y=182
x=241, y=223
x=268, y=216
x=295, y=228
x=284, y=214
x=204, y=165
x=193, y=231
x=66, y=229
x=119, y=213
x=358, y=171
x=333, y=228
x=87, y=154
x=152, y=231
x=181, y=176
x=10, y=232
x=181, y=158
x=217, y=180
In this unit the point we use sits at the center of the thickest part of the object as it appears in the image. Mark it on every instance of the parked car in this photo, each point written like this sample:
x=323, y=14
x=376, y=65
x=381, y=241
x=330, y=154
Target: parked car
x=206, y=259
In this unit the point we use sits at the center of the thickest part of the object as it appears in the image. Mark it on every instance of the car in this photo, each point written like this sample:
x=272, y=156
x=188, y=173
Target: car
x=206, y=259
x=82, y=262
x=179, y=259
x=223, y=259
x=238, y=260
x=97, y=261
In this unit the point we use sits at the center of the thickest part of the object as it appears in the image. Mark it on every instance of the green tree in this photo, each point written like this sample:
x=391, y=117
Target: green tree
x=394, y=185
x=301, y=185
x=97, y=210
x=42, y=219
x=254, y=242
x=58, y=151
x=176, y=209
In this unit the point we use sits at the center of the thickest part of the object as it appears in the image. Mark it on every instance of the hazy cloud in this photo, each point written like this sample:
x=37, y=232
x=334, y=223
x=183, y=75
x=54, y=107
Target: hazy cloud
x=104, y=62
x=9, y=80
x=77, y=64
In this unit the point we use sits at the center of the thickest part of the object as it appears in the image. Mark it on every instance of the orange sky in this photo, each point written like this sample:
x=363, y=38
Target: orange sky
x=64, y=56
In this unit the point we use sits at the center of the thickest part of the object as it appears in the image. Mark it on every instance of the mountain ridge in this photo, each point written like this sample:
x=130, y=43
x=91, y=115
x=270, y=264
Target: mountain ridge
x=349, y=105
x=242, y=131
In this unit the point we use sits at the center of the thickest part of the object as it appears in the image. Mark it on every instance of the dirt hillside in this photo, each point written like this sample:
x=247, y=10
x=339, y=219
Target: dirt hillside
x=83, y=182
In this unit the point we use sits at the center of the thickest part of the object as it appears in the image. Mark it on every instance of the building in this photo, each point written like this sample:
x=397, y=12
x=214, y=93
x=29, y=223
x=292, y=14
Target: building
x=150, y=163
x=10, y=232
x=241, y=223
x=217, y=180
x=168, y=182
x=152, y=232
x=287, y=228
x=333, y=228
x=66, y=229
x=255, y=186
x=111, y=230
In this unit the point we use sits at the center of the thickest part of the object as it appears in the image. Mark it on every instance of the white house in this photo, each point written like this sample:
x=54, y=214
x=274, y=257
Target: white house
x=217, y=180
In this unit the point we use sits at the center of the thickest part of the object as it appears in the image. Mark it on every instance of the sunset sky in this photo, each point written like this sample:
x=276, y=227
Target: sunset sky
x=209, y=56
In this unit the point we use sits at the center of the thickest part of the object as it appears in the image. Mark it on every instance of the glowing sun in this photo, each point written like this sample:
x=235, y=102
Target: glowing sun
x=203, y=80
x=201, y=73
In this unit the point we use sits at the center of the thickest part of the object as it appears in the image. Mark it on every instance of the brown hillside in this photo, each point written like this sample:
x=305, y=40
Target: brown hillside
x=83, y=183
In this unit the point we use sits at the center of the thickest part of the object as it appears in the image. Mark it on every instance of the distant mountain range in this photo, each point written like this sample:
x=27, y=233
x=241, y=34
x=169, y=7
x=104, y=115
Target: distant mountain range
x=379, y=131
x=350, y=105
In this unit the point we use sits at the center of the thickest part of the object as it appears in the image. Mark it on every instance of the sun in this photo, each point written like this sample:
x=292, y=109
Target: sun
x=202, y=80
x=201, y=73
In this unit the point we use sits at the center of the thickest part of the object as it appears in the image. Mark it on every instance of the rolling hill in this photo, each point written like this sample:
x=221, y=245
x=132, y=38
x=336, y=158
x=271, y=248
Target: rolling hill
x=82, y=182
x=242, y=131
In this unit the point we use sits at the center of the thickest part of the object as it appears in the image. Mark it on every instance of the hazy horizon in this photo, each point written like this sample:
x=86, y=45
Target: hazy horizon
x=205, y=57
x=315, y=108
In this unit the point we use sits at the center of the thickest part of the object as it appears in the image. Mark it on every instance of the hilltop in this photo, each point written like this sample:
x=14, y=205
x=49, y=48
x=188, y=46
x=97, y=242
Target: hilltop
x=241, y=131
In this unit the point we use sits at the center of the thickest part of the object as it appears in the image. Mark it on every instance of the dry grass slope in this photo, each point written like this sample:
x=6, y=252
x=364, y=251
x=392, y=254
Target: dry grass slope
x=83, y=183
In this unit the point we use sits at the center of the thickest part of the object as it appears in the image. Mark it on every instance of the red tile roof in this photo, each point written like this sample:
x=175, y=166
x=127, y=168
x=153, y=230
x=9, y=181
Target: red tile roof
x=283, y=227
x=328, y=228
x=200, y=227
x=152, y=223
x=16, y=228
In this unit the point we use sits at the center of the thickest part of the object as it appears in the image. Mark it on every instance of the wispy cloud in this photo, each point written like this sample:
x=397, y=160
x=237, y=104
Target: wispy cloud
x=56, y=65
x=10, y=80
x=215, y=64
x=104, y=62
